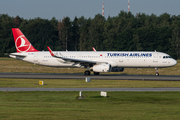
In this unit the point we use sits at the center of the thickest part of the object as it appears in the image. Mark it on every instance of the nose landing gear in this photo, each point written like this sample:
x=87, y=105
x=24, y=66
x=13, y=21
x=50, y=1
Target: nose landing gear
x=156, y=74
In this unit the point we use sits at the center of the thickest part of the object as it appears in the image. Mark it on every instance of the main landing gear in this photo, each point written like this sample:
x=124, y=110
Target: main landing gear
x=156, y=74
x=96, y=73
x=87, y=72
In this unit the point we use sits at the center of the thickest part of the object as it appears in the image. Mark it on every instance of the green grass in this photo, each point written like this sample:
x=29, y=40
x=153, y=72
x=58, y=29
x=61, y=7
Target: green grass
x=13, y=65
x=64, y=105
x=75, y=83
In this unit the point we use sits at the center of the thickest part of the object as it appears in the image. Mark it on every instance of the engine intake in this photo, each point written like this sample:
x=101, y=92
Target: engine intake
x=102, y=68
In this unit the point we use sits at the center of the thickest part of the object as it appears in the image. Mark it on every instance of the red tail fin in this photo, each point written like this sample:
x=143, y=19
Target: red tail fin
x=21, y=42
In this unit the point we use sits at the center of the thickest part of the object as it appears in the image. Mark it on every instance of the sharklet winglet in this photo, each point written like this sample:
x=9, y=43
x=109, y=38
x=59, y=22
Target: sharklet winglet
x=52, y=54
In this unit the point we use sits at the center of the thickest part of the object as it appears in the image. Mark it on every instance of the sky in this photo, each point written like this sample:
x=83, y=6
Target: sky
x=47, y=9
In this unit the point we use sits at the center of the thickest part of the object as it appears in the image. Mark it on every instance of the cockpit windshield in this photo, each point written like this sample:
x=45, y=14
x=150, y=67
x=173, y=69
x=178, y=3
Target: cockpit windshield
x=165, y=57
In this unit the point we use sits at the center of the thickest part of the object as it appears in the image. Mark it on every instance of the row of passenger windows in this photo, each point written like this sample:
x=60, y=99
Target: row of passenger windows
x=75, y=57
x=63, y=56
x=90, y=56
x=68, y=56
x=101, y=56
x=164, y=57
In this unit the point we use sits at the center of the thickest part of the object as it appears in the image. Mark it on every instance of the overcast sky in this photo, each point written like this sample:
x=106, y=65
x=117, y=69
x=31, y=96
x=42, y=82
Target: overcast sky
x=46, y=9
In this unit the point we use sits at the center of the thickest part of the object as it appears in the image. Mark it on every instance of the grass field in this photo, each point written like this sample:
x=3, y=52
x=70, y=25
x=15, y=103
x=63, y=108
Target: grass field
x=13, y=65
x=65, y=106
x=75, y=83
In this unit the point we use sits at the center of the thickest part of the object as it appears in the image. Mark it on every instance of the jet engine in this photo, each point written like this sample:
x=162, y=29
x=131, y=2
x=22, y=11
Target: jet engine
x=102, y=68
x=117, y=69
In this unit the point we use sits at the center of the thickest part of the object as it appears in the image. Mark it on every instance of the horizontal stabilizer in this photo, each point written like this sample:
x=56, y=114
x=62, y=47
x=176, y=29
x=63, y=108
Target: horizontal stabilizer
x=17, y=56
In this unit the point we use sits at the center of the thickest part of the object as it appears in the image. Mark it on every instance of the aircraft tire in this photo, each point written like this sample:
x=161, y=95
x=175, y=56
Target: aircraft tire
x=157, y=74
x=87, y=72
x=96, y=73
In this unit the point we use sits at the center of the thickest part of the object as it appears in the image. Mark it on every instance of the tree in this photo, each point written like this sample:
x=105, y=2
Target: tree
x=75, y=34
x=119, y=33
x=174, y=47
x=96, y=31
x=17, y=21
x=84, y=33
x=65, y=33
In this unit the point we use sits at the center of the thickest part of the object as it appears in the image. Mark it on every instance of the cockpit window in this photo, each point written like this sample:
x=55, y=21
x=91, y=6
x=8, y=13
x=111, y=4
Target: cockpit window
x=165, y=57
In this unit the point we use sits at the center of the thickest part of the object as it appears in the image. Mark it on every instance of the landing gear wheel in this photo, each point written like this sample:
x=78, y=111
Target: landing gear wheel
x=157, y=74
x=87, y=72
x=96, y=73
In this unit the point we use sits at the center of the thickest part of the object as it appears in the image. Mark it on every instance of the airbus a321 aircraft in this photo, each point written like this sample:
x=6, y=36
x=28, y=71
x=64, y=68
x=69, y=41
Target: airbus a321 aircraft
x=96, y=61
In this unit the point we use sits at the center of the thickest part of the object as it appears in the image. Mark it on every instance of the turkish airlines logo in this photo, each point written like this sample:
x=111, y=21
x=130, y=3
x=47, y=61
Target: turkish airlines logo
x=21, y=44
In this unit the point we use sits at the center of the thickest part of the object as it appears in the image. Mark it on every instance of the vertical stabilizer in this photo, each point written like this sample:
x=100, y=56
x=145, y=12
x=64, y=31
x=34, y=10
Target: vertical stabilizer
x=21, y=42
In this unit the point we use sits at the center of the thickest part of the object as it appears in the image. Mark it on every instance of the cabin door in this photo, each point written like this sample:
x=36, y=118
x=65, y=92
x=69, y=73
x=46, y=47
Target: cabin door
x=35, y=58
x=121, y=59
x=155, y=57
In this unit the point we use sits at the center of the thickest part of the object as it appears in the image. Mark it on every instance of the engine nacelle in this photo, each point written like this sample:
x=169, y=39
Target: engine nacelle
x=102, y=68
x=117, y=69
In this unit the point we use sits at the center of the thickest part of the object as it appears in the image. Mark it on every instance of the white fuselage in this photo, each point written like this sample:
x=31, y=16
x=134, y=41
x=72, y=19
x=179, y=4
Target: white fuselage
x=131, y=59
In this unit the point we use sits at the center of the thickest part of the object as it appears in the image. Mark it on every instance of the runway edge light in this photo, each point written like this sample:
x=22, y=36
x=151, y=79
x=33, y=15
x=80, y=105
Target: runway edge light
x=41, y=83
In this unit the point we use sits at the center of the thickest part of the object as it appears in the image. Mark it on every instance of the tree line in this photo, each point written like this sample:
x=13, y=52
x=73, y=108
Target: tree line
x=124, y=32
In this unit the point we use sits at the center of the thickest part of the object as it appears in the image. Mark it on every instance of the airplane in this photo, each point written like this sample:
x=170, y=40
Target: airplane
x=99, y=61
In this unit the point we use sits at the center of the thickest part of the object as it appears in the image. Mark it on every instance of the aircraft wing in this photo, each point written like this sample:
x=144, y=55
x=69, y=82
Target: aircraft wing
x=83, y=62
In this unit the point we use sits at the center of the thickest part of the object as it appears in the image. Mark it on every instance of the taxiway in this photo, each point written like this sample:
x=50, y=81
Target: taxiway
x=81, y=76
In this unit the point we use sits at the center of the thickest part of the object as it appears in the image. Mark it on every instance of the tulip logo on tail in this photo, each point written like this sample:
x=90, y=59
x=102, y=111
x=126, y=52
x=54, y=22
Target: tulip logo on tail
x=21, y=44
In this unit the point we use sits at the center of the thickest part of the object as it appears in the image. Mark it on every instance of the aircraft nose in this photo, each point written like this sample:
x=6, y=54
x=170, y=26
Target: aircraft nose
x=174, y=62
